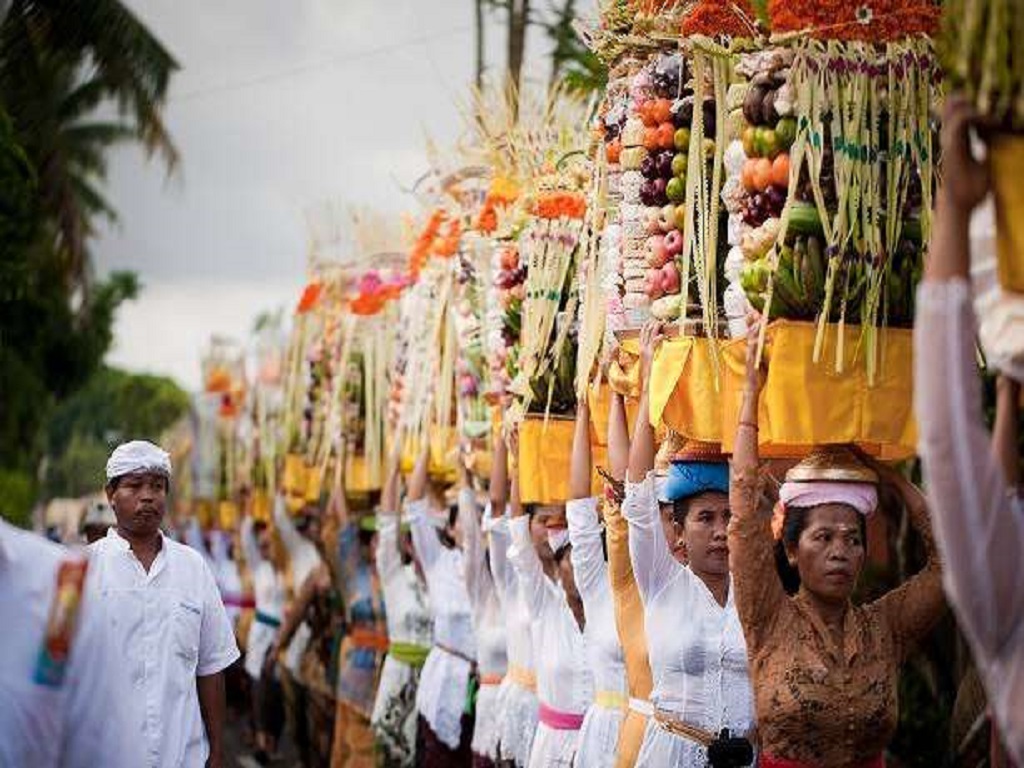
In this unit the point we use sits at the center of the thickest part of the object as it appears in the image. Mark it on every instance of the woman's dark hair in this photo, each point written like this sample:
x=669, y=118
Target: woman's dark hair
x=366, y=537
x=259, y=527
x=793, y=525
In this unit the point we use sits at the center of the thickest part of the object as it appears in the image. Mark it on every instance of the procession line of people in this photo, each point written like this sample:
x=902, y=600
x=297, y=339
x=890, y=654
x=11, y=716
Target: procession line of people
x=698, y=611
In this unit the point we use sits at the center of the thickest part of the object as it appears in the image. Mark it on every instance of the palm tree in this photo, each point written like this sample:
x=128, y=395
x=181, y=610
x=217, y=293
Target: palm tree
x=60, y=61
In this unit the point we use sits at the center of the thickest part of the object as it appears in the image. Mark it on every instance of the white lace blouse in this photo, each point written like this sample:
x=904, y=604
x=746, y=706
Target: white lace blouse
x=697, y=650
x=517, y=705
x=599, y=735
x=441, y=696
x=564, y=679
x=978, y=521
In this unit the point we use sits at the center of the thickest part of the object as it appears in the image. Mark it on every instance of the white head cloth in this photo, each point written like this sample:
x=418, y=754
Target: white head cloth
x=138, y=456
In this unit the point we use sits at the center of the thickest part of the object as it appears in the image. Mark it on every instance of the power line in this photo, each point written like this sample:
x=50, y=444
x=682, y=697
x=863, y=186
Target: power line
x=334, y=61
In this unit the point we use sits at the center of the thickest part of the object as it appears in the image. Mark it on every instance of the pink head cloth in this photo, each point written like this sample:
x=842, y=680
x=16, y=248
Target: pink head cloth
x=863, y=497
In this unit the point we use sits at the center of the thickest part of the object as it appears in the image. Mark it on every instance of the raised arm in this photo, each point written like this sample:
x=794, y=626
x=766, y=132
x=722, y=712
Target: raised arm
x=389, y=559
x=641, y=452
x=499, y=478
x=587, y=554
x=978, y=524
x=1005, y=430
x=653, y=563
x=618, y=438
x=250, y=547
x=290, y=536
x=417, y=510
x=652, y=560
x=523, y=556
x=913, y=608
x=194, y=538
x=759, y=591
x=478, y=578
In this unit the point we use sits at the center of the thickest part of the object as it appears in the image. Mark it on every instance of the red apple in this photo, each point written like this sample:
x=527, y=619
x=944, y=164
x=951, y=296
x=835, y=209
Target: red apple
x=666, y=218
x=652, y=221
x=656, y=253
x=674, y=243
x=652, y=284
x=670, y=278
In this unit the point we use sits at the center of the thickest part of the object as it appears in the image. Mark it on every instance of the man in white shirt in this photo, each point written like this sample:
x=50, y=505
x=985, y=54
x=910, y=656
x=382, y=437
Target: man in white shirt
x=51, y=665
x=167, y=635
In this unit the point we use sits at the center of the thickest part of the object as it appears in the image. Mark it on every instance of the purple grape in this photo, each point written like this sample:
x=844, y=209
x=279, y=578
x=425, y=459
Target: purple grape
x=663, y=163
x=659, y=191
x=649, y=192
x=649, y=167
x=776, y=197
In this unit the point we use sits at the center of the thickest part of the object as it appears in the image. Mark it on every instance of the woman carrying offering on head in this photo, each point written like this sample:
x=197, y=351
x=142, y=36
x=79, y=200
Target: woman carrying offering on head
x=703, y=705
x=599, y=735
x=825, y=671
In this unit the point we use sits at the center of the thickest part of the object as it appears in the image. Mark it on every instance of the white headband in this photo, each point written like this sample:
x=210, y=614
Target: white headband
x=138, y=456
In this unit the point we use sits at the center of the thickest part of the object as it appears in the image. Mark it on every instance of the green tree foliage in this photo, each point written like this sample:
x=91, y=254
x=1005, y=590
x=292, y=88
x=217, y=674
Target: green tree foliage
x=76, y=77
x=571, y=61
x=114, y=405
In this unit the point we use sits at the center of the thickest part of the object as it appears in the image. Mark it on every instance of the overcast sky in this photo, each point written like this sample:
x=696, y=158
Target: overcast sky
x=279, y=106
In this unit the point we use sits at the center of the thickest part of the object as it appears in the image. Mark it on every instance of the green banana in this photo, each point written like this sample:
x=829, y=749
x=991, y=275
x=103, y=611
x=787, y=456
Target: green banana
x=815, y=261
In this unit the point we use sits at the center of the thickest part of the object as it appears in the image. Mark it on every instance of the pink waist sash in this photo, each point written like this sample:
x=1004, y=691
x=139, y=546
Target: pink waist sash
x=559, y=720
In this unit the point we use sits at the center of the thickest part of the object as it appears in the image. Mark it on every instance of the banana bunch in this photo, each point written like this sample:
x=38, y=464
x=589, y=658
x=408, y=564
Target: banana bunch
x=799, y=280
x=904, y=275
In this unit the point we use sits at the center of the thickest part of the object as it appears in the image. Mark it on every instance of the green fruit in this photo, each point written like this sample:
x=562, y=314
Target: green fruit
x=676, y=190
x=785, y=132
x=709, y=147
x=758, y=142
x=770, y=143
x=679, y=163
x=679, y=219
x=749, y=145
x=682, y=138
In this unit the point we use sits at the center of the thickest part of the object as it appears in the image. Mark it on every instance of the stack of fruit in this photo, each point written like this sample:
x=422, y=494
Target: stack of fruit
x=655, y=141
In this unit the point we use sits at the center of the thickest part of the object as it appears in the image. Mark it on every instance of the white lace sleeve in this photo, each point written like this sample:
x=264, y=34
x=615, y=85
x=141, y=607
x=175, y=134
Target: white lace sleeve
x=498, y=545
x=588, y=561
x=527, y=564
x=653, y=563
x=424, y=535
x=478, y=578
x=978, y=525
x=290, y=536
x=250, y=547
x=388, y=559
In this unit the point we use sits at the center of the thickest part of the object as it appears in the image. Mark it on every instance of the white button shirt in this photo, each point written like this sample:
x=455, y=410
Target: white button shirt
x=44, y=726
x=163, y=629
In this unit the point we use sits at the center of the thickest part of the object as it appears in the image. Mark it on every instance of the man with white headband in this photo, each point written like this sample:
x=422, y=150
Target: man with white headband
x=167, y=633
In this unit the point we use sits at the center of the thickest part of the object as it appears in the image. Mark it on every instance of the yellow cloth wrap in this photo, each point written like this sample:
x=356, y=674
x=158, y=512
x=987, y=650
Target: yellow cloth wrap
x=294, y=476
x=804, y=404
x=204, y=513
x=600, y=409
x=360, y=477
x=522, y=677
x=261, y=507
x=624, y=371
x=545, y=458
x=611, y=700
x=1007, y=156
x=684, y=393
x=629, y=621
x=443, y=449
x=314, y=483
x=227, y=515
